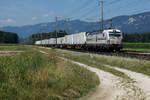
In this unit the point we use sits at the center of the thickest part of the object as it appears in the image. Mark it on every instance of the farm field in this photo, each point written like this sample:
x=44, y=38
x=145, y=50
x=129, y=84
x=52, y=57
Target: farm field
x=141, y=47
x=14, y=47
x=31, y=75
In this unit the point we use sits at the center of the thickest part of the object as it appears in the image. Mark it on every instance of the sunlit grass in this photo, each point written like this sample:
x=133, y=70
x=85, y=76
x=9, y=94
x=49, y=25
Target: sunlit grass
x=141, y=47
x=14, y=47
x=32, y=75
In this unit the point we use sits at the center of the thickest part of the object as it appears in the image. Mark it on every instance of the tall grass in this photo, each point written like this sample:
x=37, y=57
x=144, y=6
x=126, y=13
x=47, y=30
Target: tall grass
x=35, y=76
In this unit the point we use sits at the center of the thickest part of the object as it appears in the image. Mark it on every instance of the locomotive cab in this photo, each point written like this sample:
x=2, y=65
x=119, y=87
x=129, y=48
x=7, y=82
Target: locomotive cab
x=114, y=38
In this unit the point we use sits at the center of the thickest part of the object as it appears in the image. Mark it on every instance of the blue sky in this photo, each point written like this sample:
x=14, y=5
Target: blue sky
x=28, y=12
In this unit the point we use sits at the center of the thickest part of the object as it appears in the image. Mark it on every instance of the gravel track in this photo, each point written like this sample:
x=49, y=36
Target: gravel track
x=142, y=81
x=122, y=53
x=6, y=53
x=112, y=87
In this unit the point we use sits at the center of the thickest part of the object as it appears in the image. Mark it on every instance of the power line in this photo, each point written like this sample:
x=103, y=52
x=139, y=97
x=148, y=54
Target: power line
x=136, y=11
x=80, y=8
x=68, y=22
x=119, y=8
x=114, y=1
x=102, y=14
x=88, y=13
x=56, y=28
x=125, y=6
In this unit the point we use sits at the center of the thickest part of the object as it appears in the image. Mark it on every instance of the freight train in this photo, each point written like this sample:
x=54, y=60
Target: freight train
x=108, y=40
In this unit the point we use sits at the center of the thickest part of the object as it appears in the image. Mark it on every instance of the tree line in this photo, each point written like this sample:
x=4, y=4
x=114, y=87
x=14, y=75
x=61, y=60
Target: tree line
x=137, y=38
x=8, y=37
x=41, y=36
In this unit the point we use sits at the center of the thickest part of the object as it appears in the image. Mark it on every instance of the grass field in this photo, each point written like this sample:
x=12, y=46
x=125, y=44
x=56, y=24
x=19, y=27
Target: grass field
x=140, y=66
x=142, y=47
x=14, y=47
x=86, y=59
x=31, y=75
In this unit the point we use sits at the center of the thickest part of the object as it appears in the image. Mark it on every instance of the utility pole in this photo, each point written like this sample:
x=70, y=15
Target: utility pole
x=68, y=22
x=41, y=31
x=41, y=35
x=56, y=28
x=110, y=23
x=102, y=15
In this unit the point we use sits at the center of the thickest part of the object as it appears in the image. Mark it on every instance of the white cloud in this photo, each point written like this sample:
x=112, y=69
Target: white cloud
x=7, y=21
x=33, y=18
x=71, y=1
x=45, y=15
x=48, y=14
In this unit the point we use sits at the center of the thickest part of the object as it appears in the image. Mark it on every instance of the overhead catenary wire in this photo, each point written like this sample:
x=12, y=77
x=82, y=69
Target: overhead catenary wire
x=89, y=12
x=131, y=11
x=68, y=23
x=113, y=2
x=142, y=10
x=79, y=8
x=85, y=4
x=102, y=15
x=135, y=2
x=56, y=28
x=126, y=6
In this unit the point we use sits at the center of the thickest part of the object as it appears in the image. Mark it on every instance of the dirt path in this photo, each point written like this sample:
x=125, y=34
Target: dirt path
x=112, y=87
x=43, y=52
x=107, y=90
x=142, y=81
x=6, y=53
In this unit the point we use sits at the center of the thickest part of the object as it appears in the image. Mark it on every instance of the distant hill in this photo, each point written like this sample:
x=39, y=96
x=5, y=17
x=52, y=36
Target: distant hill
x=138, y=23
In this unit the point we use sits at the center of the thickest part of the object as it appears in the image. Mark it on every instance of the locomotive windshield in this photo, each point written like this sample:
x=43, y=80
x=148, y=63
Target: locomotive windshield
x=114, y=34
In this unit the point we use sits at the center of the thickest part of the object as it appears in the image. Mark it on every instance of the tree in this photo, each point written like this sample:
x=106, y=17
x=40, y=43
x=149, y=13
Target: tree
x=8, y=37
x=135, y=37
x=42, y=36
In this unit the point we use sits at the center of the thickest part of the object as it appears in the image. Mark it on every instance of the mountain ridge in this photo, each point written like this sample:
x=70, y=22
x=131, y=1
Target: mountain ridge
x=137, y=23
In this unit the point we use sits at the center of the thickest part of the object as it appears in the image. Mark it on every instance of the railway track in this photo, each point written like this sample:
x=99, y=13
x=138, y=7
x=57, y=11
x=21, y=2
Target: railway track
x=129, y=54
x=122, y=53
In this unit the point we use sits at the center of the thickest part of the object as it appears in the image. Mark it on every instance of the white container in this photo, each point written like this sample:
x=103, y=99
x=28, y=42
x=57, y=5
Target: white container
x=37, y=42
x=91, y=39
x=46, y=41
x=52, y=41
x=69, y=39
x=43, y=42
x=61, y=40
x=79, y=38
